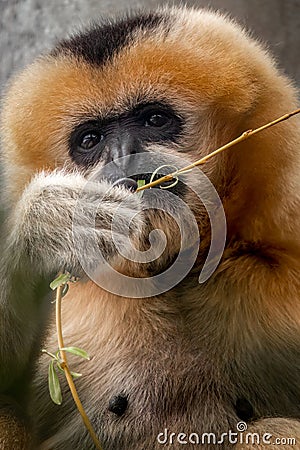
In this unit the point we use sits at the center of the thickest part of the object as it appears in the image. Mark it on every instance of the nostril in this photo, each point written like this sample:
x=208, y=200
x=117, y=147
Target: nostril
x=128, y=183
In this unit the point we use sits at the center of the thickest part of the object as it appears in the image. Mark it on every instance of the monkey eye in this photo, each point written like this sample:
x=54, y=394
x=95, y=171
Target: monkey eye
x=157, y=120
x=90, y=140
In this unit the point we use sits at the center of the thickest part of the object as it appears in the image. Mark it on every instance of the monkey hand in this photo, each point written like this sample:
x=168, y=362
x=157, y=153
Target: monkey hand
x=64, y=222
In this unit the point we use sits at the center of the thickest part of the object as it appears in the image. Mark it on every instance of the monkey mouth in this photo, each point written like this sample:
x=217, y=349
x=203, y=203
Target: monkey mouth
x=148, y=177
x=132, y=182
x=177, y=187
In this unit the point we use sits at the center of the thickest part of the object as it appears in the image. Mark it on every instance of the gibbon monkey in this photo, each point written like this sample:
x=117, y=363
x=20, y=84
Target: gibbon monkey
x=196, y=358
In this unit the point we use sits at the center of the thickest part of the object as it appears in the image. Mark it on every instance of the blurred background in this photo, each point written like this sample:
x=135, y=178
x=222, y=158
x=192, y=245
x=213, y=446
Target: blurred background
x=29, y=27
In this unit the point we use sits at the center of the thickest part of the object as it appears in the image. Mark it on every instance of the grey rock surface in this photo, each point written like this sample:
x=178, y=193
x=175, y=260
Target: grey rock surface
x=29, y=27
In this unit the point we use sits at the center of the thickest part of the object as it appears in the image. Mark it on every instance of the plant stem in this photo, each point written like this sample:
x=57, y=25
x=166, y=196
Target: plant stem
x=66, y=369
x=48, y=353
x=245, y=135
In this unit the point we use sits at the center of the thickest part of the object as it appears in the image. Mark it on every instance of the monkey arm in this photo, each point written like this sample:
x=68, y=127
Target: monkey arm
x=21, y=316
x=62, y=220
x=40, y=243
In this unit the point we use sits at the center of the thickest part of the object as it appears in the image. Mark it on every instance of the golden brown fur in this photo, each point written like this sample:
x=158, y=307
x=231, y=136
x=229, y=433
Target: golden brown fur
x=185, y=357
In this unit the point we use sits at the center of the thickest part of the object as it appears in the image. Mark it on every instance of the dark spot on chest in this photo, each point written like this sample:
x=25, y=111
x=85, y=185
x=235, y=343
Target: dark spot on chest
x=118, y=405
x=244, y=409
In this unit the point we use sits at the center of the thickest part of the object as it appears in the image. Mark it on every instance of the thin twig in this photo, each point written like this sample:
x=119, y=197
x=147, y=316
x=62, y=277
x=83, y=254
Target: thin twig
x=245, y=135
x=66, y=369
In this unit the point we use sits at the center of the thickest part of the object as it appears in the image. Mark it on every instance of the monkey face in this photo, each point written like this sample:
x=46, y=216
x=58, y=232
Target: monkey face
x=145, y=82
x=114, y=140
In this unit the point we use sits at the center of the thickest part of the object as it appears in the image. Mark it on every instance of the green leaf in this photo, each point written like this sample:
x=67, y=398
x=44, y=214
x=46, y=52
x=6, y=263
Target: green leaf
x=140, y=183
x=76, y=351
x=60, y=280
x=54, y=386
x=76, y=374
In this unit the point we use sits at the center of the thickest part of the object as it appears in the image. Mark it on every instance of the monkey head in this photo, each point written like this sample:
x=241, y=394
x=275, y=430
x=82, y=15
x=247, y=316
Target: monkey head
x=176, y=83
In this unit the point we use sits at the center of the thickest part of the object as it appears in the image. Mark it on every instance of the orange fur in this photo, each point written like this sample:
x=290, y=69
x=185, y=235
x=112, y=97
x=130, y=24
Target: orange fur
x=218, y=341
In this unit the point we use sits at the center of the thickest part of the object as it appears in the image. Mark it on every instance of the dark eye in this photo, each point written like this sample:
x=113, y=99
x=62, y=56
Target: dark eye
x=157, y=120
x=90, y=140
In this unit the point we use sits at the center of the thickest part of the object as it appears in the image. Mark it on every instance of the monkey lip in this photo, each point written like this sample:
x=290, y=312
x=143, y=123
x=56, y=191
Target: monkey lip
x=128, y=183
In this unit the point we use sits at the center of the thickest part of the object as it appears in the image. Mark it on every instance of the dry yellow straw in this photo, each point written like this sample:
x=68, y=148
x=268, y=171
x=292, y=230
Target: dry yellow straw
x=247, y=134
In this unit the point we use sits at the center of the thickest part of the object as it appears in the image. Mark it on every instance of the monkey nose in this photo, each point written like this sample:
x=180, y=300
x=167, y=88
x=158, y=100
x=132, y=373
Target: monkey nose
x=128, y=183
